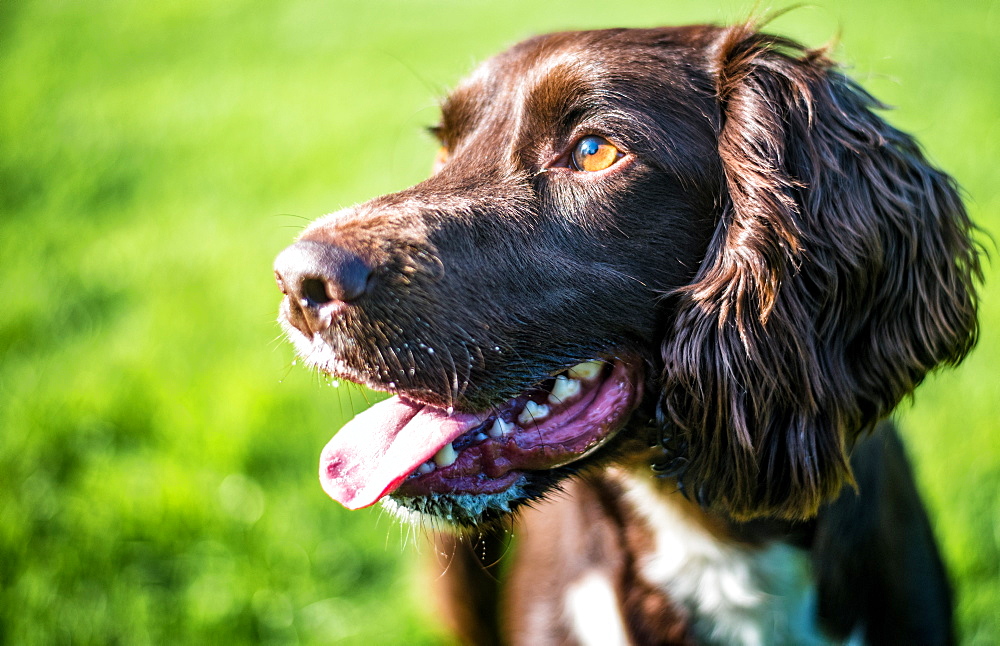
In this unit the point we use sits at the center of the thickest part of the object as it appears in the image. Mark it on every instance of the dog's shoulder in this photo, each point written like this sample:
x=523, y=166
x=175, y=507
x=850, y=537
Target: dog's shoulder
x=737, y=586
x=622, y=559
x=574, y=578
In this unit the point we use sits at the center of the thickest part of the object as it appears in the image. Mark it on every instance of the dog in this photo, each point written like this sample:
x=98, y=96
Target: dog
x=644, y=327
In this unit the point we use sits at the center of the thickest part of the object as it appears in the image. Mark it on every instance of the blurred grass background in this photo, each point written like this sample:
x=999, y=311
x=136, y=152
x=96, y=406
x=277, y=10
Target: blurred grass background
x=158, y=447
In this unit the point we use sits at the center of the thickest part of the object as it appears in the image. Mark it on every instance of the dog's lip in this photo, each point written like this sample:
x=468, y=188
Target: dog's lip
x=381, y=449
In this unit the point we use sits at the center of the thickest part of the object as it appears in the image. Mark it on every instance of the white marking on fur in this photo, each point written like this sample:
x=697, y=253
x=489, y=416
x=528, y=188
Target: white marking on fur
x=857, y=637
x=736, y=594
x=593, y=611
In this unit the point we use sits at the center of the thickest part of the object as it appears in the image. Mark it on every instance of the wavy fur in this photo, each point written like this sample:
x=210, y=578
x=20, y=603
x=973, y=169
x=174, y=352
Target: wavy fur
x=841, y=272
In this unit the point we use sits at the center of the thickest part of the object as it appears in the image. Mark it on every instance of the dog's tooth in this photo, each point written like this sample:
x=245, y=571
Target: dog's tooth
x=425, y=468
x=500, y=428
x=479, y=437
x=586, y=370
x=446, y=456
x=532, y=412
x=563, y=389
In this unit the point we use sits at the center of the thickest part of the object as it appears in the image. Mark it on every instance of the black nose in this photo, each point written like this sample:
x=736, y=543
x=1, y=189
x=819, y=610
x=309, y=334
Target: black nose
x=317, y=277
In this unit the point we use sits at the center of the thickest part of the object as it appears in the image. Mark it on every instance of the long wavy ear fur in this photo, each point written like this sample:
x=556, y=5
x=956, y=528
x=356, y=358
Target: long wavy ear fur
x=843, y=270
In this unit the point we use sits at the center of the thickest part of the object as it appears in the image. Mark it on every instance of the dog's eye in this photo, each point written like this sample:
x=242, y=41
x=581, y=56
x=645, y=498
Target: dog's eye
x=593, y=153
x=440, y=159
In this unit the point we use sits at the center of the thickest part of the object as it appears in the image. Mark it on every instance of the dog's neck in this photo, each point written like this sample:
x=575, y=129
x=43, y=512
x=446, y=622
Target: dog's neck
x=737, y=586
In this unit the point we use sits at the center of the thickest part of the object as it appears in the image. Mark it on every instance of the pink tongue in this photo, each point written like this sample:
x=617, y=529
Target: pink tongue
x=376, y=450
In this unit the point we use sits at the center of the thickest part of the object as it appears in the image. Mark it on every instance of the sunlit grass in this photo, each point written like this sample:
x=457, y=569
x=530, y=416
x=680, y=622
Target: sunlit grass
x=158, y=447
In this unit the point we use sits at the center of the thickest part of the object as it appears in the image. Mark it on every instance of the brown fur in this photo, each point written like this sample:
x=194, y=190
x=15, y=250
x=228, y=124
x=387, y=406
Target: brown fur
x=842, y=273
x=785, y=264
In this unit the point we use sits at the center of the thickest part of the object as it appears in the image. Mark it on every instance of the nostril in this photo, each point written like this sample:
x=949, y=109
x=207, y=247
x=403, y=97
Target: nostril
x=353, y=278
x=314, y=274
x=314, y=291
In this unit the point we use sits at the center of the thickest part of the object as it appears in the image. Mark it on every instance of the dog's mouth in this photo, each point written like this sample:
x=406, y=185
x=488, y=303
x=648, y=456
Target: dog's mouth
x=414, y=451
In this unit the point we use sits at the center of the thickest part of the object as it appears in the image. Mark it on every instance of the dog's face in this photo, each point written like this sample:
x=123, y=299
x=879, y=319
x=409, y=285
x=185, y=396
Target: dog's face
x=522, y=285
x=524, y=302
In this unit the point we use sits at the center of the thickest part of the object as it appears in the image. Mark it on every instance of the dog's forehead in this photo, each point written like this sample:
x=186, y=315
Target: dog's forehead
x=547, y=74
x=532, y=68
x=525, y=64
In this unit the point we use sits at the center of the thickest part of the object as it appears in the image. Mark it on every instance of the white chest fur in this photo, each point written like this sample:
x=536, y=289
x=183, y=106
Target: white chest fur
x=592, y=608
x=735, y=594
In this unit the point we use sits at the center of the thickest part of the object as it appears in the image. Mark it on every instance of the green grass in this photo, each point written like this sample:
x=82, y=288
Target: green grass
x=157, y=445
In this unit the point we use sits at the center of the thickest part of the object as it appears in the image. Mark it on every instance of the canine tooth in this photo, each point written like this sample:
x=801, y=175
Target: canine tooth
x=445, y=456
x=563, y=389
x=500, y=428
x=425, y=468
x=586, y=370
x=479, y=437
x=532, y=412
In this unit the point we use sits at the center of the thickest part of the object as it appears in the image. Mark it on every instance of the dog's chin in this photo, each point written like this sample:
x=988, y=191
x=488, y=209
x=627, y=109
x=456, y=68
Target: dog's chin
x=438, y=467
x=458, y=510
x=465, y=510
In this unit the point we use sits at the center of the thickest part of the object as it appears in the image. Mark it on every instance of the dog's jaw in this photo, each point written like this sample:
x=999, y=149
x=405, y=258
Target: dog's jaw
x=471, y=468
x=457, y=510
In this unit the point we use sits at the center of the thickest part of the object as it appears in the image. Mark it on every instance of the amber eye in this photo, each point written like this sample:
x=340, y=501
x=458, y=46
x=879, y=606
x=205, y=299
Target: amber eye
x=594, y=153
x=440, y=159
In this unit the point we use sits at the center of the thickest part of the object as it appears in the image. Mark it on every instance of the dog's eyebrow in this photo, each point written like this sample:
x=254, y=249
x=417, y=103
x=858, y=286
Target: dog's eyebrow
x=562, y=97
x=458, y=113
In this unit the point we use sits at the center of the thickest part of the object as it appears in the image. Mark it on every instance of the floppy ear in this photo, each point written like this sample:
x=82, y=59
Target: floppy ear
x=841, y=272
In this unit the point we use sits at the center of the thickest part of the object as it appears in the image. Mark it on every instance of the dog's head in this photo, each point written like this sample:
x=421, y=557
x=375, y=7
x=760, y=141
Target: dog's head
x=696, y=245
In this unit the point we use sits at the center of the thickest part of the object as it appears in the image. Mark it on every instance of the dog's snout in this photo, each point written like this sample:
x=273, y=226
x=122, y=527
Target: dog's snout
x=318, y=277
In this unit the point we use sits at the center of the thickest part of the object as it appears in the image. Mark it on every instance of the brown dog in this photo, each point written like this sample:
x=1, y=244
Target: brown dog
x=656, y=298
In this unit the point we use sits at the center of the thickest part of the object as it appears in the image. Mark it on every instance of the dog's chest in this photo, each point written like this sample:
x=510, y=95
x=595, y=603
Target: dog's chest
x=733, y=593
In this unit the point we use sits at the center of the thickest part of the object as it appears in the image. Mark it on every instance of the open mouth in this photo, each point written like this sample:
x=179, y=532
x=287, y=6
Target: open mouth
x=413, y=450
